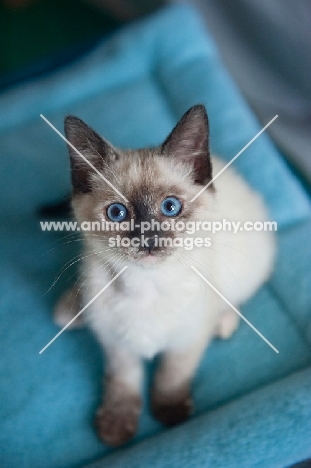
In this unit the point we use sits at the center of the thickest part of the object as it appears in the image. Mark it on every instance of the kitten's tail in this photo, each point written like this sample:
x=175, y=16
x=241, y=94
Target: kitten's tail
x=58, y=209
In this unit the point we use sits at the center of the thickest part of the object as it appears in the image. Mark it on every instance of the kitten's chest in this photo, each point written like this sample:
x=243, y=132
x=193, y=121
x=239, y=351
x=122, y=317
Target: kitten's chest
x=148, y=311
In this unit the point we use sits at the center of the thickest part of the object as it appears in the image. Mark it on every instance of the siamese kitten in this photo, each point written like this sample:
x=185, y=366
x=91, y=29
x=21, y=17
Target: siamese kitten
x=159, y=304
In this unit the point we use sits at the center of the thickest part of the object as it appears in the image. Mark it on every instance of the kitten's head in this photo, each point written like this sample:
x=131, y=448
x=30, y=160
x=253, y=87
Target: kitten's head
x=134, y=188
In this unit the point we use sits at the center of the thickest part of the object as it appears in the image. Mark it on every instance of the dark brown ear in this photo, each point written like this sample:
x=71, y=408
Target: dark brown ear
x=189, y=142
x=92, y=146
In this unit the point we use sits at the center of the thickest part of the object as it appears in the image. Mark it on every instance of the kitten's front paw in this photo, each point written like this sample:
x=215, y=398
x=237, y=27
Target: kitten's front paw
x=117, y=424
x=172, y=413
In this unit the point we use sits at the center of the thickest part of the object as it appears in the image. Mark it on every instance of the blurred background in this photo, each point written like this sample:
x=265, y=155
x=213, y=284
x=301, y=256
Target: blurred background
x=266, y=45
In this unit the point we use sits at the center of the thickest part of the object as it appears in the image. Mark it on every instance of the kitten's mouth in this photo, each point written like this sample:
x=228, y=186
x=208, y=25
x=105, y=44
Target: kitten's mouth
x=149, y=259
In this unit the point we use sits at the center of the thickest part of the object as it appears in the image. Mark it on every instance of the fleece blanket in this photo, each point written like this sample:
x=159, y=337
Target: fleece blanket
x=253, y=406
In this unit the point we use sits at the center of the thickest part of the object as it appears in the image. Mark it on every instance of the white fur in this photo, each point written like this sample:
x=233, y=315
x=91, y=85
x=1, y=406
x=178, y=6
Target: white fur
x=167, y=306
x=159, y=304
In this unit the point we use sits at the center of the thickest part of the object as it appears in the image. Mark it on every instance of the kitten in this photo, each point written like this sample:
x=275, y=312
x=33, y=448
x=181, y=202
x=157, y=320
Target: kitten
x=159, y=304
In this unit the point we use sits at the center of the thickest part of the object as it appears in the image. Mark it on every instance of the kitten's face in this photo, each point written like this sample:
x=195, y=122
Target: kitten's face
x=155, y=189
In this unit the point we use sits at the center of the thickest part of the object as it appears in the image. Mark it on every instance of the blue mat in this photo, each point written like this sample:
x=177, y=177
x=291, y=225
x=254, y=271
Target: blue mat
x=253, y=407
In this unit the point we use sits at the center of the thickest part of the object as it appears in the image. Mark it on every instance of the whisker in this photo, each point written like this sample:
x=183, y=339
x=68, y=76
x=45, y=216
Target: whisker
x=70, y=263
x=187, y=267
x=102, y=264
x=188, y=258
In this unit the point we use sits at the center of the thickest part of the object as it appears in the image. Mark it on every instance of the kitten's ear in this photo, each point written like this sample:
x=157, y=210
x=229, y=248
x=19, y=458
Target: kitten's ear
x=189, y=142
x=92, y=146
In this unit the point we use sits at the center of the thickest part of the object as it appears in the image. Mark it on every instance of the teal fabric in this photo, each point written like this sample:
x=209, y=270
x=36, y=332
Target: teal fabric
x=252, y=406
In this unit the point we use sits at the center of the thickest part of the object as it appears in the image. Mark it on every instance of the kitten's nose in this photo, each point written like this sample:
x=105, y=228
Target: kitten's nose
x=150, y=244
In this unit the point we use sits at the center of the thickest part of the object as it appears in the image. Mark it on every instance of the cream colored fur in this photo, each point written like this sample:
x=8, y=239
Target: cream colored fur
x=152, y=309
x=166, y=307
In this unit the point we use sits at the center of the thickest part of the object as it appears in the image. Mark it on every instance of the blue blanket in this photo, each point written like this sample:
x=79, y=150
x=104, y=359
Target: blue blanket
x=252, y=405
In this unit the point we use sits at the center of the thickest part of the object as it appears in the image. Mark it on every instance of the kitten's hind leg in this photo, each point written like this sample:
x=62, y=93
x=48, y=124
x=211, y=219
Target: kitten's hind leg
x=67, y=308
x=227, y=324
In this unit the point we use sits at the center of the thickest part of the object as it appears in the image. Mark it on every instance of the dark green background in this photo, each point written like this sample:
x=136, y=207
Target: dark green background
x=47, y=27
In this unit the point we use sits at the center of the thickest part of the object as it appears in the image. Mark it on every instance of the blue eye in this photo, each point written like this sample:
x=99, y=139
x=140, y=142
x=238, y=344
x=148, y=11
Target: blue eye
x=171, y=206
x=117, y=212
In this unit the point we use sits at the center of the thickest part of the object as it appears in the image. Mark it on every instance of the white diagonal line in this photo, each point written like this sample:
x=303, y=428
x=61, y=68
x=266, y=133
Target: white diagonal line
x=82, y=310
x=83, y=157
x=235, y=157
x=235, y=310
